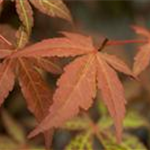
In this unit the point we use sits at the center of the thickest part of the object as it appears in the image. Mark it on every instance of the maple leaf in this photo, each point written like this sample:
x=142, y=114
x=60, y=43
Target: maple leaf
x=142, y=58
x=77, y=85
x=53, y=8
x=37, y=93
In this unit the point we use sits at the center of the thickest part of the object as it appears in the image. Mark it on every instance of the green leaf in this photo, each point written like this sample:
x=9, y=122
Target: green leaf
x=77, y=123
x=129, y=143
x=81, y=142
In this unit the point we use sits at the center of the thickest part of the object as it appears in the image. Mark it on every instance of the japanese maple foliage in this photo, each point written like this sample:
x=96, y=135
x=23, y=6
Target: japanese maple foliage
x=90, y=70
x=37, y=93
x=77, y=85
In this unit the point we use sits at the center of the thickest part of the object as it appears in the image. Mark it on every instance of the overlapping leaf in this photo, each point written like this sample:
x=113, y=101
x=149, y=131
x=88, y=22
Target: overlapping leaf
x=142, y=58
x=36, y=92
x=77, y=86
x=53, y=8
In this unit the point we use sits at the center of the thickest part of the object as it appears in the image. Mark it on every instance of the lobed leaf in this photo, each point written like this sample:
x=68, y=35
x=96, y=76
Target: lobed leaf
x=112, y=93
x=76, y=89
x=61, y=47
x=36, y=92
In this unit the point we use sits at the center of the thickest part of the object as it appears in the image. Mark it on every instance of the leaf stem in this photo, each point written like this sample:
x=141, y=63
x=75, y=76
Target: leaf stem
x=103, y=44
x=5, y=40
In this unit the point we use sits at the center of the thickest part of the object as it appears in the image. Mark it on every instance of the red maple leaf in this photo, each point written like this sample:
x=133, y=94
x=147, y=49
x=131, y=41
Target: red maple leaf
x=37, y=93
x=77, y=85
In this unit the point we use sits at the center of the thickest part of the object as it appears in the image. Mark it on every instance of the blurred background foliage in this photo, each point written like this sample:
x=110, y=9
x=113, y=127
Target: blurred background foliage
x=98, y=18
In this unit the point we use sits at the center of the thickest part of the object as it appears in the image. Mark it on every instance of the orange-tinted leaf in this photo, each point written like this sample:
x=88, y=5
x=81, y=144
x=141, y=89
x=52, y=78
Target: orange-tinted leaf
x=117, y=64
x=35, y=90
x=83, y=40
x=112, y=92
x=61, y=47
x=53, y=8
x=7, y=79
x=76, y=89
x=25, y=13
x=77, y=85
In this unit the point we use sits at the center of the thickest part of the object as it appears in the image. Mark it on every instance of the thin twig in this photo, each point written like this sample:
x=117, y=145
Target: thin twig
x=5, y=40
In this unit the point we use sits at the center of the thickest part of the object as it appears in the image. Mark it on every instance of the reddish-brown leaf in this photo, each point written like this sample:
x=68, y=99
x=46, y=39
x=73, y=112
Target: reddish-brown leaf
x=112, y=92
x=38, y=95
x=77, y=86
x=7, y=79
x=34, y=89
x=76, y=89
